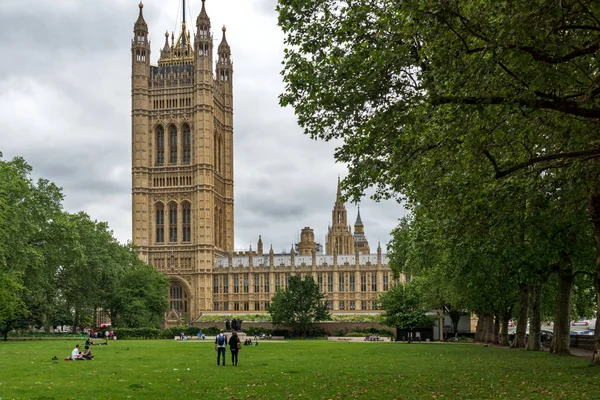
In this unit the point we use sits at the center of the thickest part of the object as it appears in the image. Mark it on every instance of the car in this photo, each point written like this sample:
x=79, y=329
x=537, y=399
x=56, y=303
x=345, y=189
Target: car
x=583, y=332
x=580, y=323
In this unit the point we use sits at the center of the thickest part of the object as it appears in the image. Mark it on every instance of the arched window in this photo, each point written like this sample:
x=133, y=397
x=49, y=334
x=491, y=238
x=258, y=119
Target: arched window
x=187, y=144
x=216, y=153
x=216, y=227
x=172, y=222
x=172, y=144
x=160, y=145
x=178, y=299
x=160, y=223
x=187, y=222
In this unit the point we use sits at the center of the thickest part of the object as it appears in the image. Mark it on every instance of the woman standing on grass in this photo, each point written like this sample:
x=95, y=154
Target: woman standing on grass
x=234, y=346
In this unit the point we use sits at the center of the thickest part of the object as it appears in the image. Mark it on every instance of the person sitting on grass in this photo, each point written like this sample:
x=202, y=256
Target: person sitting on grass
x=89, y=341
x=87, y=354
x=75, y=353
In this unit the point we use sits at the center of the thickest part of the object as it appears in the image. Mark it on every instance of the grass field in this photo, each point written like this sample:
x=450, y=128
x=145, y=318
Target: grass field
x=291, y=369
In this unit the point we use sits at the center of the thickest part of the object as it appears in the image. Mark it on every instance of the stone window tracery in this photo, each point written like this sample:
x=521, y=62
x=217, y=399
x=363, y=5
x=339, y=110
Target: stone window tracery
x=187, y=222
x=187, y=144
x=173, y=144
x=178, y=298
x=160, y=145
x=160, y=223
x=172, y=222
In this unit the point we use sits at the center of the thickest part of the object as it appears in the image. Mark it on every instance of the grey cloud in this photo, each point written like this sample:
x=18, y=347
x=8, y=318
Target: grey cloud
x=65, y=107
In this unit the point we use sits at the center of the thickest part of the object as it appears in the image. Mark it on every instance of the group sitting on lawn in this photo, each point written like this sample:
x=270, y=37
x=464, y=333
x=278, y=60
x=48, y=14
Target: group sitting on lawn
x=76, y=355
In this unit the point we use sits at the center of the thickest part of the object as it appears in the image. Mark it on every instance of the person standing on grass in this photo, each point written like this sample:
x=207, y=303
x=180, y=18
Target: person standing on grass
x=220, y=347
x=234, y=346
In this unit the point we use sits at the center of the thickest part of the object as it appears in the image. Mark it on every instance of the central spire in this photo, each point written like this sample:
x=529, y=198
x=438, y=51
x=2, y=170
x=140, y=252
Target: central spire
x=183, y=41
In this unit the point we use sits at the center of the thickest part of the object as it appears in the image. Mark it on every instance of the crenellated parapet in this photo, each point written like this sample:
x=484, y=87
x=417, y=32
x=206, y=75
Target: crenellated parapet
x=245, y=259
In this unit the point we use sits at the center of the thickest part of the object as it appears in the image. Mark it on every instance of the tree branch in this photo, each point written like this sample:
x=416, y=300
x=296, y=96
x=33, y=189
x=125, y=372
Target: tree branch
x=593, y=153
x=567, y=107
x=576, y=27
x=539, y=56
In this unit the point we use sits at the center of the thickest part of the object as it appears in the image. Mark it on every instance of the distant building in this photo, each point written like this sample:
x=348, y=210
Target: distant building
x=183, y=193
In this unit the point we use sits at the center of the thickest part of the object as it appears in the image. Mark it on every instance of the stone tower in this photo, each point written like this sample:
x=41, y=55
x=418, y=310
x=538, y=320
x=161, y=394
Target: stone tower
x=307, y=243
x=182, y=160
x=339, y=234
x=361, y=244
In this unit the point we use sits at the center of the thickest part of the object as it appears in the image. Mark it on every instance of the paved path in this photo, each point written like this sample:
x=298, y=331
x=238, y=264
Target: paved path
x=582, y=352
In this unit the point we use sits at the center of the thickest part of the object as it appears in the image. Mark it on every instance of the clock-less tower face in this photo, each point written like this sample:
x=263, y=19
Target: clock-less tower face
x=182, y=160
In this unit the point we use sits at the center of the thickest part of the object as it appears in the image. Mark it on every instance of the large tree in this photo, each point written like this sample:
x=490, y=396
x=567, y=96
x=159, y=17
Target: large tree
x=404, y=308
x=299, y=305
x=422, y=92
x=139, y=298
x=27, y=212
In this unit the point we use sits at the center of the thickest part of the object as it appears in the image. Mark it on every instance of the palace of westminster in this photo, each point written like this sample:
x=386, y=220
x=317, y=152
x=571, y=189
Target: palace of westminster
x=183, y=193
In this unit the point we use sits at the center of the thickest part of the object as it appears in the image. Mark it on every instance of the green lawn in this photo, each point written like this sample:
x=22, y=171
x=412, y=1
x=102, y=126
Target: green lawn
x=291, y=369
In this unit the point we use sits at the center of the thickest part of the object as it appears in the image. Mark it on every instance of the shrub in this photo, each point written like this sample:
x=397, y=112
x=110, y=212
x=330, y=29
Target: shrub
x=357, y=334
x=139, y=333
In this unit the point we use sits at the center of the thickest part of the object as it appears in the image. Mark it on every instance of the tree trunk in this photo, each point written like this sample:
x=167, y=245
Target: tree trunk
x=594, y=210
x=479, y=329
x=75, y=318
x=535, y=321
x=561, y=338
x=496, y=335
x=503, y=339
x=455, y=317
x=522, y=320
x=485, y=329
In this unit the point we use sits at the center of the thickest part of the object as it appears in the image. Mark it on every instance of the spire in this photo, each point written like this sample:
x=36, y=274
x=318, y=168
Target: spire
x=183, y=37
x=358, y=220
x=223, y=45
x=203, y=17
x=167, y=48
x=140, y=24
x=338, y=197
x=224, y=50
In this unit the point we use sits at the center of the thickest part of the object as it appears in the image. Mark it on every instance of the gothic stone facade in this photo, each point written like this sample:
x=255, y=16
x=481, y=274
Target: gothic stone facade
x=182, y=190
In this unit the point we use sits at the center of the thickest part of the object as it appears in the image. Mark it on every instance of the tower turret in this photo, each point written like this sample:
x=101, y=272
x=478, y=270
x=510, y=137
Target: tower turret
x=339, y=234
x=259, y=247
x=140, y=73
x=204, y=47
x=225, y=69
x=361, y=244
x=140, y=62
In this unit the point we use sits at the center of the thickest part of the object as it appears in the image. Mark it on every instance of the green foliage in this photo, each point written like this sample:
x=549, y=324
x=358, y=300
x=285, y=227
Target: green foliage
x=140, y=297
x=356, y=332
x=244, y=317
x=58, y=268
x=189, y=330
x=299, y=305
x=142, y=333
x=404, y=309
x=484, y=127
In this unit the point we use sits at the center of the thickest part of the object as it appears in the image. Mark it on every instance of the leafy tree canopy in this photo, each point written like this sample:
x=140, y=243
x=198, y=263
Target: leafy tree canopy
x=299, y=305
x=404, y=308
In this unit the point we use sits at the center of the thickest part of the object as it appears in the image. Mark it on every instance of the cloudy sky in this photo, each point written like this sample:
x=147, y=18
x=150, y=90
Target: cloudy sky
x=65, y=107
